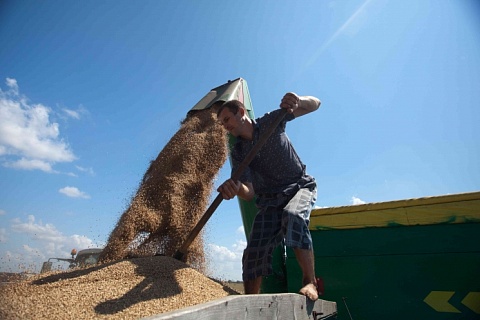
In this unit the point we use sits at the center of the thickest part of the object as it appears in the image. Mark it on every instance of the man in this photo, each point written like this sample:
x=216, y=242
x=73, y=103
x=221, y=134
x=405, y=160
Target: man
x=285, y=192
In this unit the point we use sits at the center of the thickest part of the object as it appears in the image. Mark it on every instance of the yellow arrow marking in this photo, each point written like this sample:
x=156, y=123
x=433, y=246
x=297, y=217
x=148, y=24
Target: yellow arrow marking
x=438, y=300
x=472, y=301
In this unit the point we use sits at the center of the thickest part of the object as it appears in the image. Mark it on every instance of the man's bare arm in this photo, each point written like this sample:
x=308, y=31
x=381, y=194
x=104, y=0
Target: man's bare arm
x=299, y=105
x=306, y=105
x=246, y=191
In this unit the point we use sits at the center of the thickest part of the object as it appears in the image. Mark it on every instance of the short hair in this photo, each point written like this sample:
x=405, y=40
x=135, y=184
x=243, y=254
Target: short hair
x=232, y=105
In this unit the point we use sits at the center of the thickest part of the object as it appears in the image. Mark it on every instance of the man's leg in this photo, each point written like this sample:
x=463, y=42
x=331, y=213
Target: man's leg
x=265, y=235
x=252, y=286
x=298, y=236
x=306, y=261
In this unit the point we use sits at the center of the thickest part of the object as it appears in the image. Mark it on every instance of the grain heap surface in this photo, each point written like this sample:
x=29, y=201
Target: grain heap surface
x=128, y=289
x=173, y=194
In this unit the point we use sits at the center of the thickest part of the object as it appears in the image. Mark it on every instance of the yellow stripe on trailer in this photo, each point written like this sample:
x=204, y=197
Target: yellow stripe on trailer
x=446, y=209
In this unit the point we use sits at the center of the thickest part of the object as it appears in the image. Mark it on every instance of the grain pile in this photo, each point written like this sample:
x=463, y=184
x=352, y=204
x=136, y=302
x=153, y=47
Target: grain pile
x=127, y=289
x=173, y=194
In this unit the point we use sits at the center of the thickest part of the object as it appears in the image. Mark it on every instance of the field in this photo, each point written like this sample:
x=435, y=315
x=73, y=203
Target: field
x=237, y=286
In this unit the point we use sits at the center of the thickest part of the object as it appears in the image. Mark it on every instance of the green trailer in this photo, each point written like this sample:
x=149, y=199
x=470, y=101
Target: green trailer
x=407, y=259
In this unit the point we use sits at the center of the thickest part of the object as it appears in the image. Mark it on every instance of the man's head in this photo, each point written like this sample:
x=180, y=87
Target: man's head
x=232, y=105
x=231, y=116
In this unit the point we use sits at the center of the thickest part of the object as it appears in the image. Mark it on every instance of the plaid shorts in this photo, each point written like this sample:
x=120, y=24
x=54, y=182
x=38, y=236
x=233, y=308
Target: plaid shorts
x=280, y=218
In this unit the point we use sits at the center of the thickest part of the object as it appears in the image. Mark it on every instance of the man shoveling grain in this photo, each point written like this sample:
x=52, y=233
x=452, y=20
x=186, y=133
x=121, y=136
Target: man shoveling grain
x=285, y=192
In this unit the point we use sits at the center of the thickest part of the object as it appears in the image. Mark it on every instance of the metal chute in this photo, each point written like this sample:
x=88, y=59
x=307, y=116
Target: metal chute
x=232, y=90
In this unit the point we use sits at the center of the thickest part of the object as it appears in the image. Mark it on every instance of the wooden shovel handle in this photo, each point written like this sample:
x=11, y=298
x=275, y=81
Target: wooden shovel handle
x=180, y=254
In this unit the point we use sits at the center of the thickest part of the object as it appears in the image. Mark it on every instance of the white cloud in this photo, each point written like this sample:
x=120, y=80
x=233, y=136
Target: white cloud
x=239, y=246
x=30, y=250
x=37, y=231
x=3, y=235
x=12, y=84
x=222, y=253
x=72, y=113
x=2, y=212
x=36, y=243
x=227, y=262
x=18, y=262
x=86, y=170
x=75, y=114
x=47, y=234
x=241, y=230
x=28, y=138
x=73, y=192
x=356, y=201
x=30, y=164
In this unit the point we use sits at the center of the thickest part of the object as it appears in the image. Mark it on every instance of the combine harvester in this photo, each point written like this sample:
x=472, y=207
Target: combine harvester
x=84, y=258
x=406, y=259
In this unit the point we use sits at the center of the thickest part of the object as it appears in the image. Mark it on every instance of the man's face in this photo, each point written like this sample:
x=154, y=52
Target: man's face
x=231, y=122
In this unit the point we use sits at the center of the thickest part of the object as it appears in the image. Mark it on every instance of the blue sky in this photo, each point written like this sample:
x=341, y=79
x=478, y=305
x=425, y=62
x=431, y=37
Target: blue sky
x=91, y=91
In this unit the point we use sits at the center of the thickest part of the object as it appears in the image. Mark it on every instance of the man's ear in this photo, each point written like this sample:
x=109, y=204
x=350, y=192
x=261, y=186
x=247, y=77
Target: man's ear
x=242, y=112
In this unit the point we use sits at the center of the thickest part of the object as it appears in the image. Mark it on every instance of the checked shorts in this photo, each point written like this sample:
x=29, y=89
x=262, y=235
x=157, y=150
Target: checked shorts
x=280, y=218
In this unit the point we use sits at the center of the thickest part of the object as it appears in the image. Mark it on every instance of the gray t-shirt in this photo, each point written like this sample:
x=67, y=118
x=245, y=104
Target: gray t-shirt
x=276, y=168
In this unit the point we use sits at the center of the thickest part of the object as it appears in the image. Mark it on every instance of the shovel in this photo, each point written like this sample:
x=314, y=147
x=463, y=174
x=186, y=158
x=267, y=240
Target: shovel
x=180, y=254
